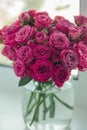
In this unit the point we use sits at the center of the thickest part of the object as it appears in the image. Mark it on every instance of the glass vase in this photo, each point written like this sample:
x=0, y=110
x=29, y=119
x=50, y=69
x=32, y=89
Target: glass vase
x=47, y=107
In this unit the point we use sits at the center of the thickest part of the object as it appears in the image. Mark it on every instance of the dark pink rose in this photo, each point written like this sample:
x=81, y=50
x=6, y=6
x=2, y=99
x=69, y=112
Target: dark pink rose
x=82, y=50
x=79, y=20
x=58, y=18
x=19, y=68
x=9, y=52
x=9, y=40
x=41, y=51
x=40, y=37
x=70, y=58
x=41, y=70
x=75, y=33
x=59, y=40
x=42, y=20
x=60, y=75
x=13, y=28
x=24, y=34
x=63, y=28
x=24, y=17
x=25, y=54
x=63, y=21
x=32, y=13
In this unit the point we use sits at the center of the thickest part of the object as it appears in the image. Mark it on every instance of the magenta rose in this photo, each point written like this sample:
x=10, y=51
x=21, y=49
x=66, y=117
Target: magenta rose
x=82, y=50
x=75, y=33
x=42, y=20
x=63, y=28
x=41, y=51
x=40, y=37
x=19, y=68
x=60, y=75
x=41, y=70
x=69, y=58
x=9, y=40
x=24, y=17
x=32, y=13
x=24, y=34
x=13, y=28
x=59, y=40
x=25, y=54
x=79, y=20
x=9, y=52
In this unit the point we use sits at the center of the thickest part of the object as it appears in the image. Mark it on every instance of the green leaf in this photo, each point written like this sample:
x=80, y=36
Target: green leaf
x=25, y=80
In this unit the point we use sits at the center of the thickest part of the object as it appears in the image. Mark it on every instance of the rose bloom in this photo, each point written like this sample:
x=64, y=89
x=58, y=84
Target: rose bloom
x=59, y=40
x=24, y=17
x=32, y=13
x=75, y=33
x=40, y=37
x=60, y=75
x=41, y=51
x=63, y=28
x=42, y=20
x=25, y=54
x=24, y=34
x=41, y=70
x=9, y=40
x=19, y=68
x=82, y=50
x=13, y=28
x=9, y=52
x=70, y=58
x=79, y=20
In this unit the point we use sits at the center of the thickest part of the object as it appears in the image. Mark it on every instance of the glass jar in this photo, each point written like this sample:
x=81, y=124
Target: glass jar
x=47, y=107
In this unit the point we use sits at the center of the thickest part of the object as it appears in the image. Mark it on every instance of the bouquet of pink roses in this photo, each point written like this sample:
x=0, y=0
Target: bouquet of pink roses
x=45, y=50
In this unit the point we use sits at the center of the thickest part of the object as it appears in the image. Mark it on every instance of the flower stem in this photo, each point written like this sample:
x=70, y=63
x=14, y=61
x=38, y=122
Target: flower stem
x=65, y=104
x=39, y=102
x=52, y=106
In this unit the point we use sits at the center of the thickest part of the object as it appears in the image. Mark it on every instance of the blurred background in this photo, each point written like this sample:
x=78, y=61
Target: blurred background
x=10, y=94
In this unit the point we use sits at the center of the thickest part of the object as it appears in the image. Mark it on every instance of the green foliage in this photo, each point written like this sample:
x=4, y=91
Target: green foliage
x=25, y=80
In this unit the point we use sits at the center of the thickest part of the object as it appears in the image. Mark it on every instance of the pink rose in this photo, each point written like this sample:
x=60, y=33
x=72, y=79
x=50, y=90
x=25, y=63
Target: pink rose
x=24, y=34
x=63, y=28
x=25, y=54
x=19, y=68
x=59, y=40
x=60, y=75
x=79, y=20
x=70, y=58
x=41, y=70
x=13, y=28
x=40, y=37
x=75, y=33
x=82, y=50
x=24, y=17
x=41, y=51
x=63, y=21
x=9, y=52
x=42, y=20
x=9, y=40
x=32, y=13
